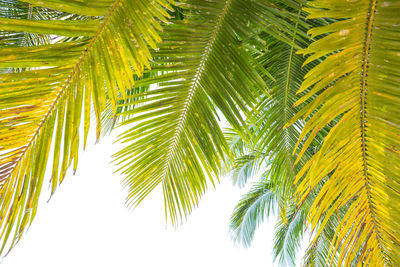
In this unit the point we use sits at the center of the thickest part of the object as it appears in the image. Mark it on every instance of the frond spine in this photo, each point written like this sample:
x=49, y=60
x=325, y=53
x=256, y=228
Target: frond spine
x=371, y=16
x=194, y=87
x=69, y=79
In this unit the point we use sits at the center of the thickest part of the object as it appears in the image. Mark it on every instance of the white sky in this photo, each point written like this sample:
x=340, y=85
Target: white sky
x=87, y=224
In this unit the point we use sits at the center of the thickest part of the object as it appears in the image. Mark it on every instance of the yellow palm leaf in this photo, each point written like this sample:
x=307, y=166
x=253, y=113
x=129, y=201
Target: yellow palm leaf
x=42, y=106
x=357, y=83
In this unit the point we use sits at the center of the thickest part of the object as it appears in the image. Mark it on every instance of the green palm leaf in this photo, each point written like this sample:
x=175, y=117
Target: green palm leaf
x=317, y=253
x=61, y=80
x=358, y=84
x=177, y=139
x=258, y=203
x=246, y=163
x=288, y=236
x=12, y=10
x=276, y=143
x=273, y=142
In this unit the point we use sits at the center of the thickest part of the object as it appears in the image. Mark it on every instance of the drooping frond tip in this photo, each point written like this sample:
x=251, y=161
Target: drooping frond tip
x=59, y=82
x=357, y=85
x=204, y=70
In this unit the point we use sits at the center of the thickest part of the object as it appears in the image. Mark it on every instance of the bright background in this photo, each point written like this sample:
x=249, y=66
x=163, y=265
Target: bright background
x=87, y=224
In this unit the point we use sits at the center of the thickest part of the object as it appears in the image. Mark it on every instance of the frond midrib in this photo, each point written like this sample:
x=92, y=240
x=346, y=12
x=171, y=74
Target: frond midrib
x=288, y=148
x=193, y=89
x=365, y=63
x=254, y=203
x=63, y=88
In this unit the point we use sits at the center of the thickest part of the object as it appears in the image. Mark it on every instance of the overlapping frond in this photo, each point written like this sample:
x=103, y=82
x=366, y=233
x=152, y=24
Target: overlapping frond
x=288, y=236
x=258, y=203
x=246, y=162
x=177, y=140
x=317, y=253
x=42, y=106
x=357, y=84
x=245, y=167
x=19, y=11
x=273, y=143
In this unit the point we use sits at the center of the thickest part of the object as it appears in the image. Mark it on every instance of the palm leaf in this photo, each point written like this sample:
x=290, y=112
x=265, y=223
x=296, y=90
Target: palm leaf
x=42, y=106
x=358, y=84
x=245, y=167
x=273, y=142
x=317, y=253
x=12, y=10
x=288, y=235
x=177, y=139
x=246, y=161
x=109, y=118
x=254, y=206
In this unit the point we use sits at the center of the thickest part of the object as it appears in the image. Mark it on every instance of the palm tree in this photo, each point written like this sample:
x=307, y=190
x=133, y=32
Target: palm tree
x=170, y=75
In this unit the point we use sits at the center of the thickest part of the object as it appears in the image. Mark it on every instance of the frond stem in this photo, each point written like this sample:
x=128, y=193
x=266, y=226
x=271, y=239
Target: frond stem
x=371, y=16
x=287, y=88
x=61, y=91
x=194, y=87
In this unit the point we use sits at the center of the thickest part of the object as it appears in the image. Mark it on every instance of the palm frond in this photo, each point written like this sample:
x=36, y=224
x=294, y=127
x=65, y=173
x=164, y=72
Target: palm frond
x=288, y=235
x=271, y=138
x=317, y=253
x=273, y=143
x=43, y=105
x=245, y=167
x=109, y=118
x=251, y=210
x=177, y=140
x=357, y=84
x=246, y=162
